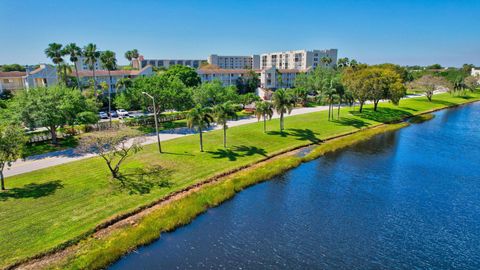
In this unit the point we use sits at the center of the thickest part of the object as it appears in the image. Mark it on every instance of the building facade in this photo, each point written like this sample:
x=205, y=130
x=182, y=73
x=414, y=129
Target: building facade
x=300, y=59
x=102, y=76
x=235, y=62
x=42, y=76
x=166, y=63
x=82, y=64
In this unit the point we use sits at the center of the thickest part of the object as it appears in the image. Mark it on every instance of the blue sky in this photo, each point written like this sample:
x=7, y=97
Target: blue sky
x=403, y=32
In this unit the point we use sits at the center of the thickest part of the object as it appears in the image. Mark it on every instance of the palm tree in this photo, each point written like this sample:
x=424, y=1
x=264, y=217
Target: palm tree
x=326, y=60
x=200, y=118
x=222, y=113
x=110, y=63
x=282, y=103
x=55, y=52
x=128, y=55
x=264, y=109
x=135, y=54
x=74, y=52
x=91, y=55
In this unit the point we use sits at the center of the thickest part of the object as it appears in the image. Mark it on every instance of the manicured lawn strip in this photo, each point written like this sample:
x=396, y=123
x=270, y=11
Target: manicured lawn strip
x=46, y=208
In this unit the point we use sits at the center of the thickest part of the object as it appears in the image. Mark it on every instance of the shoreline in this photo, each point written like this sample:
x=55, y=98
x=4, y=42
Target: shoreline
x=61, y=255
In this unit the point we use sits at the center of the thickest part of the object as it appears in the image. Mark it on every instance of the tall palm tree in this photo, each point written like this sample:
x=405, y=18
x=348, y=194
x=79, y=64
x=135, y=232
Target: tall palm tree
x=222, y=113
x=128, y=55
x=264, y=109
x=74, y=52
x=200, y=118
x=55, y=53
x=283, y=102
x=91, y=55
x=135, y=54
x=110, y=63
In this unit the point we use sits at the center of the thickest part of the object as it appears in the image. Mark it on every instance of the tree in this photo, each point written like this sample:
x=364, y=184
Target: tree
x=12, y=140
x=110, y=63
x=264, y=109
x=128, y=56
x=428, y=84
x=135, y=54
x=12, y=67
x=248, y=99
x=51, y=107
x=113, y=146
x=248, y=83
x=343, y=62
x=124, y=83
x=435, y=66
x=223, y=113
x=472, y=82
x=300, y=95
x=283, y=103
x=354, y=79
x=467, y=68
x=326, y=60
x=170, y=94
x=91, y=55
x=185, y=74
x=74, y=52
x=55, y=53
x=200, y=118
x=213, y=93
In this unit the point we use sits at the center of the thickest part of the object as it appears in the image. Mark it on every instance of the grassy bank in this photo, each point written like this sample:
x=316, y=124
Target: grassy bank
x=47, y=208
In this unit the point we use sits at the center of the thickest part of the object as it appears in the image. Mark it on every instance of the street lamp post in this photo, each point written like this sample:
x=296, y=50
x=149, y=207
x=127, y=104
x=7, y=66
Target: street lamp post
x=156, y=122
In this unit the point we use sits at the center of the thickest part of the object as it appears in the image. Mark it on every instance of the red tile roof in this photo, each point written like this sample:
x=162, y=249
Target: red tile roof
x=11, y=74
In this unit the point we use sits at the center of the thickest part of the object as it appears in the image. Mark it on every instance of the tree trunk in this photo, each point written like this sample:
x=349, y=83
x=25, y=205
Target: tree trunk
x=78, y=78
x=94, y=82
x=201, y=140
x=375, y=104
x=2, y=179
x=225, y=136
x=361, y=106
x=53, y=132
x=338, y=112
x=281, y=121
x=264, y=123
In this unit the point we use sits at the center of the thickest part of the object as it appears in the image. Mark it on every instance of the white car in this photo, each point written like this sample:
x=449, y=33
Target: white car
x=103, y=115
x=122, y=113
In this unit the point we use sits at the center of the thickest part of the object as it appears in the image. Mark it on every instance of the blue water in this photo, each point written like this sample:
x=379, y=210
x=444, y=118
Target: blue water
x=408, y=199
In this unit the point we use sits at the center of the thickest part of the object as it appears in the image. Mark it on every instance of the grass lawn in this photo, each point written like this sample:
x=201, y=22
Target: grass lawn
x=46, y=208
x=38, y=148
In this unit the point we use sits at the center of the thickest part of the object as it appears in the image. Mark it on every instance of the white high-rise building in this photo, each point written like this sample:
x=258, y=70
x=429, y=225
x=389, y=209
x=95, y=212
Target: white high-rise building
x=235, y=62
x=300, y=59
x=82, y=64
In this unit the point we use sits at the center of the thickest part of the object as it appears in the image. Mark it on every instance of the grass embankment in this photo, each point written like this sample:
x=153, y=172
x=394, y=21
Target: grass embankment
x=421, y=118
x=47, y=209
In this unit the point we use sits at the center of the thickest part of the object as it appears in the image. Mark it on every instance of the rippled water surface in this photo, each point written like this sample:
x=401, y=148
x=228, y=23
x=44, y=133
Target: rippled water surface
x=403, y=200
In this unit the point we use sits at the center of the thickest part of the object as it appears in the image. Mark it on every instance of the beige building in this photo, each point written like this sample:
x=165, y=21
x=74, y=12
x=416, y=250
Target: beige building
x=82, y=65
x=300, y=59
x=226, y=76
x=102, y=75
x=235, y=62
x=166, y=63
x=43, y=76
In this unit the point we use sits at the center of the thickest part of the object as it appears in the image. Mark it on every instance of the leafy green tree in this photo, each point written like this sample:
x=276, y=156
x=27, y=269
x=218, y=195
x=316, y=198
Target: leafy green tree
x=467, y=68
x=222, y=114
x=355, y=81
x=168, y=94
x=135, y=54
x=247, y=99
x=283, y=103
x=124, y=83
x=435, y=66
x=51, y=107
x=91, y=55
x=326, y=60
x=212, y=93
x=301, y=95
x=472, y=82
x=74, y=52
x=186, y=74
x=87, y=118
x=200, y=118
x=128, y=56
x=343, y=62
x=55, y=53
x=248, y=83
x=264, y=109
x=12, y=67
x=109, y=61
x=12, y=140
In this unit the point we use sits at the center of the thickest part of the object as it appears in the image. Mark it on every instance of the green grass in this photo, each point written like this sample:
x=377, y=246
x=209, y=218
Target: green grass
x=44, y=209
x=38, y=148
x=421, y=118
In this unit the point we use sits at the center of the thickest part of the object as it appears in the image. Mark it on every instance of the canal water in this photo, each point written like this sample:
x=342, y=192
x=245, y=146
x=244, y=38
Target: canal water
x=408, y=199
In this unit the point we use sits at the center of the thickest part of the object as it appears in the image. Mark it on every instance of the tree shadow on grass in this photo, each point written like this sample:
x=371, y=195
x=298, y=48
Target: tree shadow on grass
x=382, y=115
x=32, y=190
x=238, y=151
x=305, y=135
x=143, y=180
x=440, y=102
x=357, y=123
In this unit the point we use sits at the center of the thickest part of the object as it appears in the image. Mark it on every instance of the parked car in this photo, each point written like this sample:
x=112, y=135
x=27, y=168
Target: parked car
x=103, y=115
x=122, y=113
x=114, y=114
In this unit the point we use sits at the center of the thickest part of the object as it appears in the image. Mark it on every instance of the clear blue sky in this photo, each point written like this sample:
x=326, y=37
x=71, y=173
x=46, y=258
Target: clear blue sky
x=404, y=32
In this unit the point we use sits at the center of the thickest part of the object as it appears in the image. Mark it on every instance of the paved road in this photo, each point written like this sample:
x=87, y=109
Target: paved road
x=38, y=162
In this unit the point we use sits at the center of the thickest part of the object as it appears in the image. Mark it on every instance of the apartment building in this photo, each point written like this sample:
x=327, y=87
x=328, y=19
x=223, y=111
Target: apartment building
x=226, y=76
x=166, y=63
x=299, y=59
x=102, y=75
x=42, y=76
x=235, y=62
x=82, y=64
